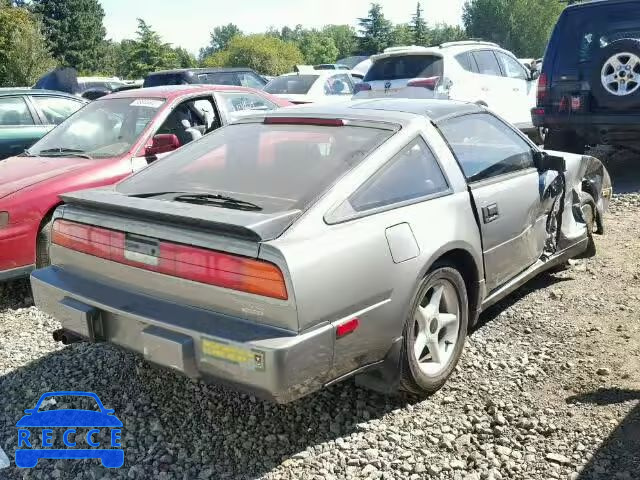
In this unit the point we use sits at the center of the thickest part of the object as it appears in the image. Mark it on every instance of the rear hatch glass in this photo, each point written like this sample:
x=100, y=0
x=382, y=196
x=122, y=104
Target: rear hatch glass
x=291, y=84
x=165, y=79
x=400, y=67
x=276, y=167
x=588, y=30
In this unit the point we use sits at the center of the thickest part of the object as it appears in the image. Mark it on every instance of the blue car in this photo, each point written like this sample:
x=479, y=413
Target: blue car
x=28, y=457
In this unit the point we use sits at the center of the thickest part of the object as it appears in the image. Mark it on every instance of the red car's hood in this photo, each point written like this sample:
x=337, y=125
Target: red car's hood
x=17, y=173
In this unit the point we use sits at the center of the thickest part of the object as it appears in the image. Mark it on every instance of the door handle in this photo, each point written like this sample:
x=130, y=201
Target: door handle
x=484, y=89
x=490, y=213
x=516, y=89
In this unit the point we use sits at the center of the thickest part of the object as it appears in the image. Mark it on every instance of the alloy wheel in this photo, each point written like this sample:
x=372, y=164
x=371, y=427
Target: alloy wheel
x=620, y=74
x=436, y=327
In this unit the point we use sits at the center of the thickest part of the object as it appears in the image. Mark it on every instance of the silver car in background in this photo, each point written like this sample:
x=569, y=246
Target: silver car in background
x=299, y=248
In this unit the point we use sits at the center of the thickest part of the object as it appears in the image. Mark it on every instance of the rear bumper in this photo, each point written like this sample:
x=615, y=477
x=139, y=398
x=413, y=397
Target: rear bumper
x=565, y=121
x=268, y=362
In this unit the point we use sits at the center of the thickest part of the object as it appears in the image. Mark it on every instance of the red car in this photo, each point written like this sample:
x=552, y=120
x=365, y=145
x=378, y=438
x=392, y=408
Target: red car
x=99, y=145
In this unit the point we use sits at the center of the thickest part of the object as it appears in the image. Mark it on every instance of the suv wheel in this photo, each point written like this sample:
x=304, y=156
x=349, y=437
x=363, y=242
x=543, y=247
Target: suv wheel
x=564, y=141
x=615, y=83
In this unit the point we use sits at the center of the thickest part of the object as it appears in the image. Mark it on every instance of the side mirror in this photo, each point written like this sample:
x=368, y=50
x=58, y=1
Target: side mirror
x=30, y=411
x=162, y=143
x=535, y=74
x=545, y=162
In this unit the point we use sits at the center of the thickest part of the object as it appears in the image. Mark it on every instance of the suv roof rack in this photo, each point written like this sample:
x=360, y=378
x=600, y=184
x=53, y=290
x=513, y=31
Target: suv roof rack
x=404, y=48
x=468, y=42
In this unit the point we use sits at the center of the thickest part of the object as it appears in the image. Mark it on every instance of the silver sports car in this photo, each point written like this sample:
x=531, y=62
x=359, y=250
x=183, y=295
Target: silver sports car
x=308, y=245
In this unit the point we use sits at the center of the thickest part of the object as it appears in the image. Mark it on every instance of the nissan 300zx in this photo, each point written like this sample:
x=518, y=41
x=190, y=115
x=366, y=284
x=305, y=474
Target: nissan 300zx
x=298, y=248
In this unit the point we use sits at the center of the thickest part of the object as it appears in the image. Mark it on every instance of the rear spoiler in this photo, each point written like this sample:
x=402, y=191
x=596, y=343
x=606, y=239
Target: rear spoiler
x=253, y=226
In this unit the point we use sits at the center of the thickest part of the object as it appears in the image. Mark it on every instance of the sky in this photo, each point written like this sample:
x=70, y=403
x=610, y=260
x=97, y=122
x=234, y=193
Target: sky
x=187, y=23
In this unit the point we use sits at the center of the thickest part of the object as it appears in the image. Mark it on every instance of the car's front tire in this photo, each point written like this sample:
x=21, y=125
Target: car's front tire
x=435, y=331
x=42, y=245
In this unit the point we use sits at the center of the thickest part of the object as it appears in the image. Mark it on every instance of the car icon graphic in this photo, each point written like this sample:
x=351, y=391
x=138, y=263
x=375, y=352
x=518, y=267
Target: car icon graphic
x=70, y=419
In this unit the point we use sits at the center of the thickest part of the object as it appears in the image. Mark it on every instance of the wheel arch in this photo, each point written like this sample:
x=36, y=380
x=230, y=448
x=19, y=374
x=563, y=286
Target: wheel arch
x=463, y=261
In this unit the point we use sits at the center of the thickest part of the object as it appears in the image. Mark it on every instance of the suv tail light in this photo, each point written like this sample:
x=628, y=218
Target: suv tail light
x=543, y=89
x=361, y=87
x=176, y=260
x=431, y=83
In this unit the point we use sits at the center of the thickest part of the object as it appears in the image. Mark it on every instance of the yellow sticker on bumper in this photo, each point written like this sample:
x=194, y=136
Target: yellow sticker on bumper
x=233, y=353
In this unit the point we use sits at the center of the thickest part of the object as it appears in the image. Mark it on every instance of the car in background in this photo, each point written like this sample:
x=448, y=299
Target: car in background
x=366, y=238
x=471, y=71
x=331, y=66
x=106, y=83
x=243, y=77
x=27, y=114
x=312, y=86
x=102, y=143
x=589, y=88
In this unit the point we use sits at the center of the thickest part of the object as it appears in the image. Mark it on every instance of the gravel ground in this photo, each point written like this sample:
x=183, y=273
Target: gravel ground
x=548, y=387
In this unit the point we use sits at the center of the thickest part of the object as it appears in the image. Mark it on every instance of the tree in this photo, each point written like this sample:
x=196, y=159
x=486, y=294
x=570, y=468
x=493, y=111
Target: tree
x=184, y=58
x=344, y=38
x=220, y=38
x=376, y=31
x=74, y=31
x=522, y=26
x=402, y=35
x=264, y=53
x=317, y=47
x=23, y=49
x=148, y=53
x=419, y=27
x=442, y=33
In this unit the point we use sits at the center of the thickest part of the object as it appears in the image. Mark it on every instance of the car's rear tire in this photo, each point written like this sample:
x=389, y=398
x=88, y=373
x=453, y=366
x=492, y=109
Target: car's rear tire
x=42, y=245
x=435, y=331
x=564, y=141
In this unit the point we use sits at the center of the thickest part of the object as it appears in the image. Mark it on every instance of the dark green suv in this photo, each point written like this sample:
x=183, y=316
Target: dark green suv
x=26, y=115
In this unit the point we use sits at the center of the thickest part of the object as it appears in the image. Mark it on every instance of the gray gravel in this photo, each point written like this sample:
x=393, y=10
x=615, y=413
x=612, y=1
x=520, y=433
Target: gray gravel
x=548, y=388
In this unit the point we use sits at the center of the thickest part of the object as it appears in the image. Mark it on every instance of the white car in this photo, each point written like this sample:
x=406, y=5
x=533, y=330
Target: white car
x=472, y=71
x=313, y=86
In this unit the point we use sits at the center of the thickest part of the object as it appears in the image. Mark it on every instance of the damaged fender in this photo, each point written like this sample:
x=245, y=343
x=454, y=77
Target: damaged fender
x=586, y=180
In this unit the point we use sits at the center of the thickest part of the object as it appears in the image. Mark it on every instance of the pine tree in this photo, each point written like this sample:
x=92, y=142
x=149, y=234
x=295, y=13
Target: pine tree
x=376, y=31
x=419, y=27
x=74, y=31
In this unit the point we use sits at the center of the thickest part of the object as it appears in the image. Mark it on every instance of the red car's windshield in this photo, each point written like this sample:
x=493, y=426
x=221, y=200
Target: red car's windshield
x=279, y=167
x=104, y=128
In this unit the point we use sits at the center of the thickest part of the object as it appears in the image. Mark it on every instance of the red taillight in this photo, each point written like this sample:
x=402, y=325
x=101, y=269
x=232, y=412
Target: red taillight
x=347, y=327
x=323, y=122
x=183, y=261
x=431, y=83
x=361, y=87
x=543, y=89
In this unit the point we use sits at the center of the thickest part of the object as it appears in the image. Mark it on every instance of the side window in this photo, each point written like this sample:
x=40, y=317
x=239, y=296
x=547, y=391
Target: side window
x=222, y=79
x=412, y=173
x=56, y=109
x=248, y=79
x=466, y=62
x=487, y=63
x=338, y=85
x=486, y=147
x=191, y=120
x=243, y=101
x=14, y=111
x=511, y=67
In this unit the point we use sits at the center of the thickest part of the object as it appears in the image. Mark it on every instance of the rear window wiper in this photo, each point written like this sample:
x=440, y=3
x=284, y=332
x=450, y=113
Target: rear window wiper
x=204, y=199
x=218, y=200
x=61, y=152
